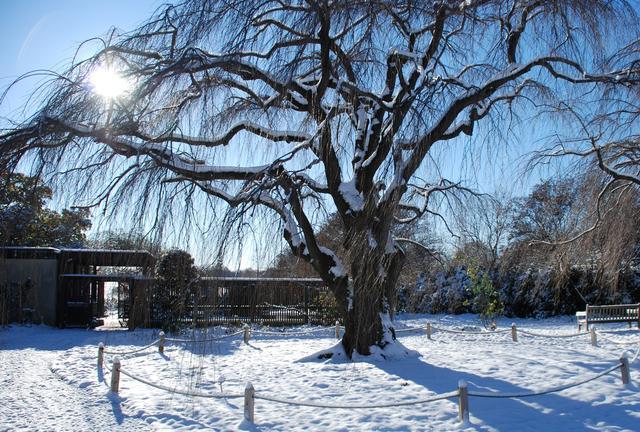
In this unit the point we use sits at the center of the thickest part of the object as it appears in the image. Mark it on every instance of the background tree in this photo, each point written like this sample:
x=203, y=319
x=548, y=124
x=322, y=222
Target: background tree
x=344, y=99
x=573, y=250
x=26, y=221
x=124, y=240
x=482, y=224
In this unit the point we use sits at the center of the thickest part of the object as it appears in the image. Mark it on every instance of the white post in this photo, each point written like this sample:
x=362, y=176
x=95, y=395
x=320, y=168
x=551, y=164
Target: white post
x=428, y=330
x=115, y=375
x=249, y=394
x=594, y=337
x=100, y=355
x=246, y=335
x=463, y=401
x=161, y=343
x=337, y=329
x=626, y=376
x=514, y=332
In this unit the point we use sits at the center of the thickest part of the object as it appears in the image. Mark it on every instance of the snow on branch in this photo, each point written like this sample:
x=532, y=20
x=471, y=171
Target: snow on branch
x=226, y=137
x=128, y=147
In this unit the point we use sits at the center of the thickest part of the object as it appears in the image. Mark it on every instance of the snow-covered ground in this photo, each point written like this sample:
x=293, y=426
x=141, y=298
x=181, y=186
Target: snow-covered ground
x=49, y=380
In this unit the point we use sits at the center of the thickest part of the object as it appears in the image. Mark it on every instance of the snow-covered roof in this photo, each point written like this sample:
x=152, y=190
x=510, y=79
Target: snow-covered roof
x=262, y=279
x=82, y=250
x=95, y=257
x=106, y=277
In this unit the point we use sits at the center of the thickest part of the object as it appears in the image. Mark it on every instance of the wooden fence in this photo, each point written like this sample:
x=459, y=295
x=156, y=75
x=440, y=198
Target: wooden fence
x=269, y=301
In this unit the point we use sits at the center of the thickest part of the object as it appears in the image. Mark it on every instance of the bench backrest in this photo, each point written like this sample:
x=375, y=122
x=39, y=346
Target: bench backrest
x=613, y=312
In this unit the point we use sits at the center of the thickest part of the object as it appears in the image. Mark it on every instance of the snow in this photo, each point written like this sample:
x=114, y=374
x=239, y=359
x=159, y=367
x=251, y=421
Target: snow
x=372, y=241
x=337, y=270
x=351, y=195
x=50, y=380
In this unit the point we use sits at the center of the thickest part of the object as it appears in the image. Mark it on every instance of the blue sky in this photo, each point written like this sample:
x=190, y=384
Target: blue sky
x=44, y=34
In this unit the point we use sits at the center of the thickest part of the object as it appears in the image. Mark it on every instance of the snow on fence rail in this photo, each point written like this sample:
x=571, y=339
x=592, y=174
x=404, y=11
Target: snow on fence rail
x=462, y=393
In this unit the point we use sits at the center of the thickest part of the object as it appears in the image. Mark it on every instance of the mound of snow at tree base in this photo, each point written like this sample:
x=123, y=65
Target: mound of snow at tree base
x=487, y=362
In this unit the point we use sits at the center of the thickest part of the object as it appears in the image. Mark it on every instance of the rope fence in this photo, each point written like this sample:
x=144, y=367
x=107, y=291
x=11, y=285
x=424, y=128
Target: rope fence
x=294, y=333
x=180, y=391
x=429, y=329
x=486, y=333
x=559, y=336
x=211, y=339
x=313, y=404
x=616, y=342
x=462, y=393
x=122, y=353
x=544, y=391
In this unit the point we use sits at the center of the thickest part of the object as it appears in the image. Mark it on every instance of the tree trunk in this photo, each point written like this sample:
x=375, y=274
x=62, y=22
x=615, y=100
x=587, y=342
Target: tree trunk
x=372, y=294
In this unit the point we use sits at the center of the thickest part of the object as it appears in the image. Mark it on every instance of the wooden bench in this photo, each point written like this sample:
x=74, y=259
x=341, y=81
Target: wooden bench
x=609, y=314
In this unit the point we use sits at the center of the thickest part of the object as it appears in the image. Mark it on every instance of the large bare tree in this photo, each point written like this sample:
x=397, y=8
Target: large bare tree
x=294, y=106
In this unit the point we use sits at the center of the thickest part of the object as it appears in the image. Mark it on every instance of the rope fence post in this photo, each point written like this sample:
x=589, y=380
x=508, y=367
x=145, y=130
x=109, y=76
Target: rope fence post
x=115, y=375
x=514, y=332
x=161, y=343
x=624, y=370
x=463, y=401
x=428, y=330
x=246, y=334
x=337, y=329
x=594, y=336
x=249, y=400
x=100, y=355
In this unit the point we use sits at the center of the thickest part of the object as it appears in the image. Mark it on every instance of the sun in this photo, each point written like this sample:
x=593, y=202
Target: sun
x=108, y=83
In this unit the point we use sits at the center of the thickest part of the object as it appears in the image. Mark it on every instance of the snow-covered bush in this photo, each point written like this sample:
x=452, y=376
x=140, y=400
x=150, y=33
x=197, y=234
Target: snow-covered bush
x=530, y=293
x=442, y=292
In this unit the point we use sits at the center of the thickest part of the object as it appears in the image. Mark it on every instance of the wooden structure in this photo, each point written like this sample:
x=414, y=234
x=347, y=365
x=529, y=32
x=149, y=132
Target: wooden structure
x=67, y=290
x=272, y=301
x=608, y=314
x=82, y=289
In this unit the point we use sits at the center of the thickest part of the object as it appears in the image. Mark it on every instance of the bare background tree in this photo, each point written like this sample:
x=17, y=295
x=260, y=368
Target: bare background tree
x=309, y=108
x=483, y=227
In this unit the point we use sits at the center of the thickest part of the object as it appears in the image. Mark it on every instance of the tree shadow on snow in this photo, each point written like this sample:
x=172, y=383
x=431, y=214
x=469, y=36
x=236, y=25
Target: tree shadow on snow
x=546, y=412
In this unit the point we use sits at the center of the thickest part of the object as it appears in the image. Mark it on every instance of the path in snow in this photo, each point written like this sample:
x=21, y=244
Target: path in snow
x=35, y=398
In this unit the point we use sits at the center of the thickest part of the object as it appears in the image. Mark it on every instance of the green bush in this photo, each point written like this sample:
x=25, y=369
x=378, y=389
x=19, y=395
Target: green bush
x=485, y=300
x=175, y=290
x=326, y=308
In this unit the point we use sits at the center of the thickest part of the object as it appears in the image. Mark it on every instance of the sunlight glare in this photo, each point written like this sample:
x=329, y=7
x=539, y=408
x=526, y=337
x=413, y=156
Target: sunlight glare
x=108, y=83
